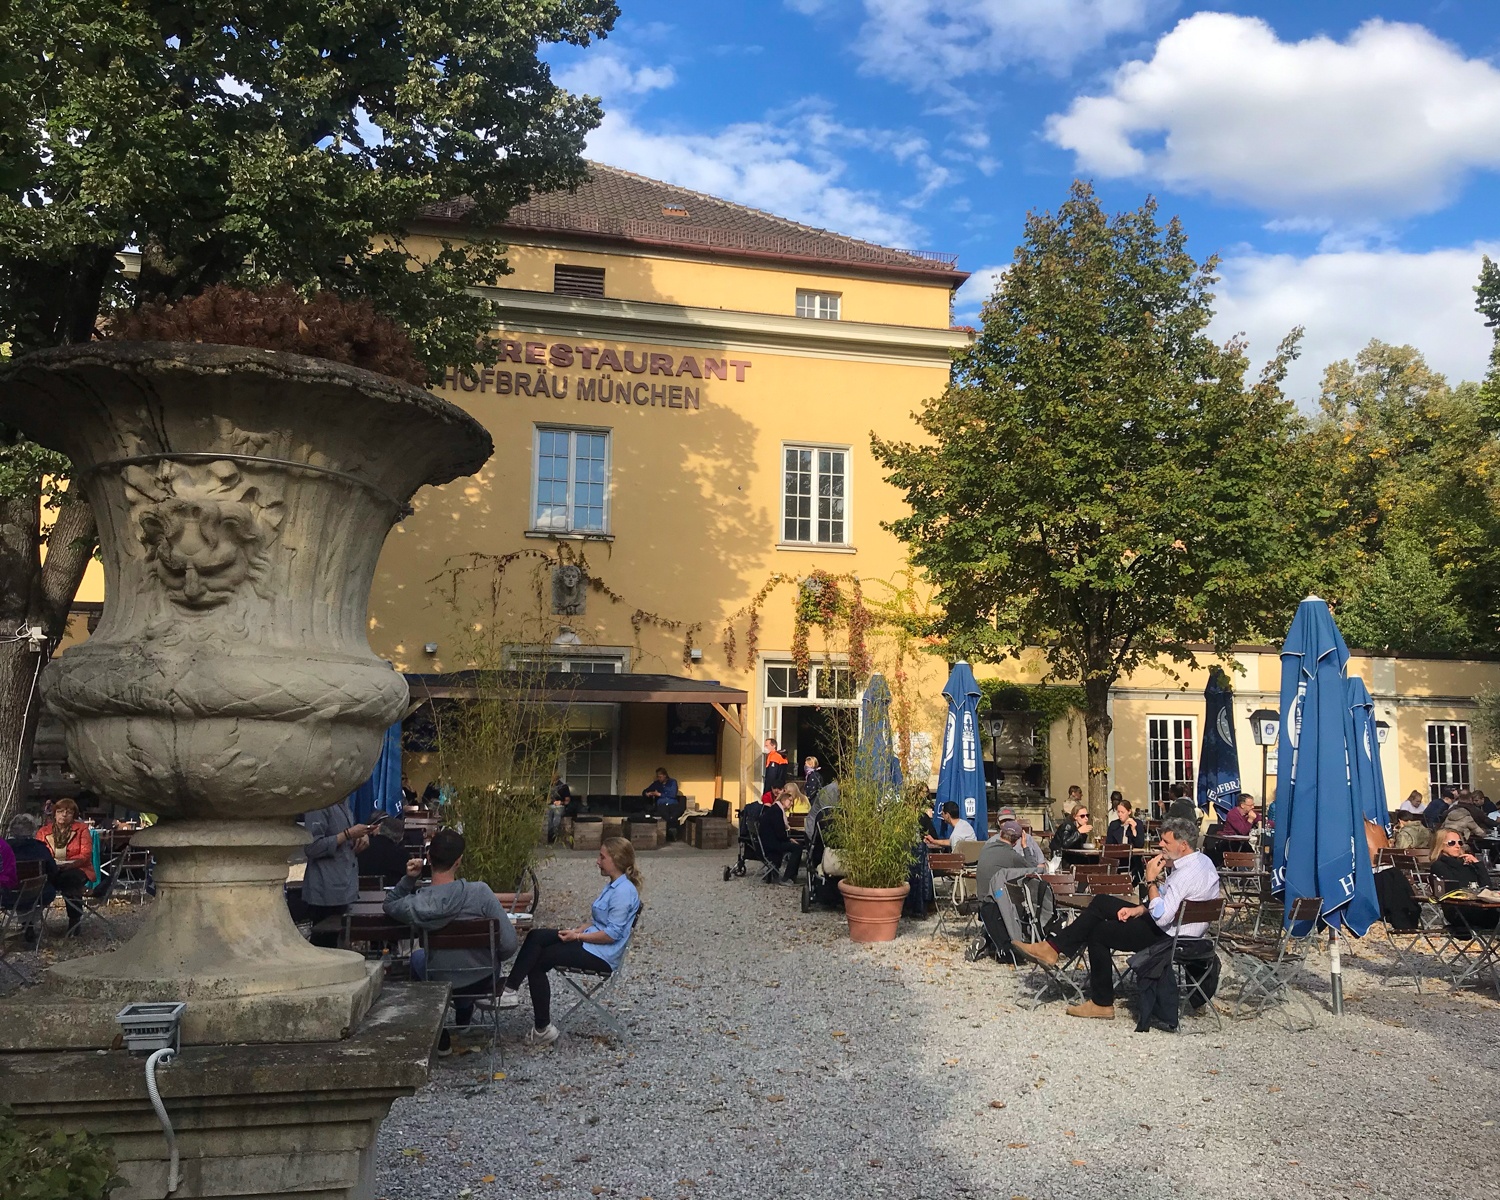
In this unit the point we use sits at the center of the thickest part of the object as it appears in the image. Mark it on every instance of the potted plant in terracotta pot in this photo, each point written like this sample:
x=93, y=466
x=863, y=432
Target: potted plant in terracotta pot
x=875, y=832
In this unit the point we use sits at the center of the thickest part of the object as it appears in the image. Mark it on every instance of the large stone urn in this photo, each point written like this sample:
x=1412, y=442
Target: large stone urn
x=242, y=498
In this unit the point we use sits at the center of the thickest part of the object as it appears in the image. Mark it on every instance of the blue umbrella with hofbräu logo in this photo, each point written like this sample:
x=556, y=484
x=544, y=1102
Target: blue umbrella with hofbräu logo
x=875, y=759
x=961, y=776
x=382, y=791
x=1219, y=759
x=1319, y=848
x=1365, y=772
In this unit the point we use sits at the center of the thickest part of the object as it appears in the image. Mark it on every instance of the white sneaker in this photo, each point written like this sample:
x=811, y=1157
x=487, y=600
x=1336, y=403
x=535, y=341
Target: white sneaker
x=542, y=1037
x=509, y=998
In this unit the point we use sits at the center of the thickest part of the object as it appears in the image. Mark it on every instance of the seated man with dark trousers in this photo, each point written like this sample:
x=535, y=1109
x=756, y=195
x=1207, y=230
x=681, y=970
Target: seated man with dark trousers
x=451, y=898
x=1112, y=923
x=783, y=855
x=662, y=792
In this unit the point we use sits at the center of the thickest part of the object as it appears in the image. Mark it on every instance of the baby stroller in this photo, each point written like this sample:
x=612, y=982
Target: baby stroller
x=749, y=840
x=820, y=883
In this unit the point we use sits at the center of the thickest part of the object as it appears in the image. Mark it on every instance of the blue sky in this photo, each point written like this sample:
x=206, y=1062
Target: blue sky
x=1343, y=159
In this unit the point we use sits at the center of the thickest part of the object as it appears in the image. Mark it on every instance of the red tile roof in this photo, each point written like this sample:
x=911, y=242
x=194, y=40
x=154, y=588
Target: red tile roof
x=621, y=206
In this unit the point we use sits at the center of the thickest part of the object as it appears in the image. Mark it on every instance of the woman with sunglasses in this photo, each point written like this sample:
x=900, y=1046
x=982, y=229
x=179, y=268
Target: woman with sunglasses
x=1454, y=867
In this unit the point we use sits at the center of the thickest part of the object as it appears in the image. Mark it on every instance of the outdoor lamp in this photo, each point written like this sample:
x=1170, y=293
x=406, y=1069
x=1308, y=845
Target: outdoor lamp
x=1265, y=726
x=1382, y=731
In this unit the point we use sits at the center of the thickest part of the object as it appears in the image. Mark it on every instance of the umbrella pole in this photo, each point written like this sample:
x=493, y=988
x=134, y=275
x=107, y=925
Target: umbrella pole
x=1336, y=971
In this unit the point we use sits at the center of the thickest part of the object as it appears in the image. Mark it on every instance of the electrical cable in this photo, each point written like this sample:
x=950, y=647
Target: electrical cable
x=164, y=1055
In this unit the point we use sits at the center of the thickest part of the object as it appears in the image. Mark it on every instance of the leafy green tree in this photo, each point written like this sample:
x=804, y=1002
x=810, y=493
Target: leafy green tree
x=1487, y=293
x=1098, y=481
x=1409, y=505
x=261, y=144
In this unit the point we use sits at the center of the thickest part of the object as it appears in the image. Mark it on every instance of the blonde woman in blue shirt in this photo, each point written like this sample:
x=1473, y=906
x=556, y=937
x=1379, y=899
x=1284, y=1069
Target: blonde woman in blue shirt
x=599, y=944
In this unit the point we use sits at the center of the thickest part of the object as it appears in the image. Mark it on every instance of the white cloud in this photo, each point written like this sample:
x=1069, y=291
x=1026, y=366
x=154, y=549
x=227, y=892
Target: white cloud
x=928, y=43
x=1344, y=299
x=608, y=75
x=978, y=288
x=775, y=167
x=1384, y=124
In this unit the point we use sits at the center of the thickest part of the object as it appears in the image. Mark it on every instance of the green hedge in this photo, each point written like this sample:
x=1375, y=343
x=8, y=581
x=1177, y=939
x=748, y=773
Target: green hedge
x=53, y=1165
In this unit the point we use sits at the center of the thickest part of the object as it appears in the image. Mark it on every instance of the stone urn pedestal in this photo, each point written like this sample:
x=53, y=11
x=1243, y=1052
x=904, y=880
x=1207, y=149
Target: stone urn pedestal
x=242, y=498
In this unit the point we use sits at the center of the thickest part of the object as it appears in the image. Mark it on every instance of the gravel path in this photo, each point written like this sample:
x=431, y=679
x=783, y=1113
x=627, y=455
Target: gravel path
x=770, y=1057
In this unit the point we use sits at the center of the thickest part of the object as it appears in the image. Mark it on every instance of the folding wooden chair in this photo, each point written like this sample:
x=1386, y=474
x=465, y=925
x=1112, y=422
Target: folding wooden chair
x=947, y=870
x=132, y=871
x=593, y=986
x=1202, y=948
x=477, y=933
x=1062, y=976
x=1268, y=967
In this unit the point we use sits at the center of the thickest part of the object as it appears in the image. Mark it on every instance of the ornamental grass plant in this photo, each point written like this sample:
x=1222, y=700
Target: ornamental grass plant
x=874, y=829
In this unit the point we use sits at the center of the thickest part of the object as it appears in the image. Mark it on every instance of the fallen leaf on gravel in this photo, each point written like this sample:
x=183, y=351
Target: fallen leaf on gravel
x=877, y=1162
x=1078, y=1162
x=597, y=1190
x=950, y=1062
x=1068, y=1133
x=414, y=1152
x=486, y=1179
x=1017, y=1145
x=997, y=1103
x=1486, y=1124
x=838, y=1033
x=498, y=1075
x=581, y=1157
x=1273, y=1089
x=775, y=1098
x=1212, y=1071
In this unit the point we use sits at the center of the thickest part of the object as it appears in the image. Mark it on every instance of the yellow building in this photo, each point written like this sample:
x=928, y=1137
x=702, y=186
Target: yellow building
x=683, y=412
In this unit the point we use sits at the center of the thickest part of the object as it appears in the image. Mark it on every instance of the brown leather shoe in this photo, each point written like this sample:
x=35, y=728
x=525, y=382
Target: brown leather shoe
x=1041, y=952
x=1099, y=1012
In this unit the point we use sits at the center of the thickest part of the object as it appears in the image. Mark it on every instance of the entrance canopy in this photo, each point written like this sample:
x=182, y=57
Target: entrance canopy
x=564, y=687
x=600, y=687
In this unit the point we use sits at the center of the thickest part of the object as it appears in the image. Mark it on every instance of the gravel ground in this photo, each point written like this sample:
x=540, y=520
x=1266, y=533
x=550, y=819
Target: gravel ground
x=769, y=1055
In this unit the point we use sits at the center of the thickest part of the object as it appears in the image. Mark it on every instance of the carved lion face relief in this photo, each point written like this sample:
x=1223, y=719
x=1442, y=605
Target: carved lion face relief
x=205, y=527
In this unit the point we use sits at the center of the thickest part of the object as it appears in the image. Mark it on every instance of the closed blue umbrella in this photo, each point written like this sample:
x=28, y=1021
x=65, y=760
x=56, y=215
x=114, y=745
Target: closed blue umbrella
x=961, y=775
x=1366, y=775
x=1219, y=760
x=382, y=791
x=875, y=760
x=1319, y=847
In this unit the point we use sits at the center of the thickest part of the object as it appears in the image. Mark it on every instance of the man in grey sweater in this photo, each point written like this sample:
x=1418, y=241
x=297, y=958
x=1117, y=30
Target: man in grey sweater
x=449, y=898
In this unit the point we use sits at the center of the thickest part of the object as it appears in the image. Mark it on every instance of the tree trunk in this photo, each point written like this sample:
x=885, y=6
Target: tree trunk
x=33, y=594
x=1098, y=725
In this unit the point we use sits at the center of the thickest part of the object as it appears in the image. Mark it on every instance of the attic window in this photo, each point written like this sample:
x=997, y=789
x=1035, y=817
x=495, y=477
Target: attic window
x=578, y=281
x=672, y=210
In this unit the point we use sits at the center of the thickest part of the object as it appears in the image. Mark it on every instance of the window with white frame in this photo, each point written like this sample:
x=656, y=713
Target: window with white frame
x=818, y=306
x=814, y=495
x=1447, y=756
x=571, y=492
x=1170, y=755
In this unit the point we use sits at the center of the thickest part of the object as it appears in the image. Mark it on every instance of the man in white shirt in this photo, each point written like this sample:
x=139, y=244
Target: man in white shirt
x=1111, y=923
x=959, y=830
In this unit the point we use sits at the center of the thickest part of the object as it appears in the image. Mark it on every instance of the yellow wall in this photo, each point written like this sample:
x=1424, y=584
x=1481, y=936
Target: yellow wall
x=695, y=492
x=741, y=286
x=1408, y=693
